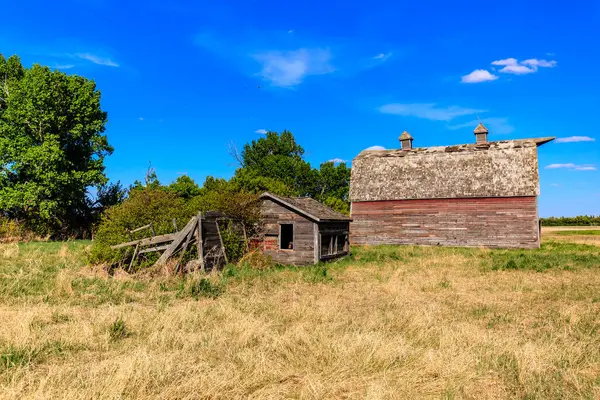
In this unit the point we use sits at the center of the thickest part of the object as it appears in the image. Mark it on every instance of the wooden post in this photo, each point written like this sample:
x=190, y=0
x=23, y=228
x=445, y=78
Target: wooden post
x=178, y=266
x=152, y=229
x=134, y=255
x=221, y=240
x=175, y=224
x=200, y=243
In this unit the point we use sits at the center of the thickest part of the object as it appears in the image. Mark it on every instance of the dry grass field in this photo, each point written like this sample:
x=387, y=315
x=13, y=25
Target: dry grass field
x=385, y=323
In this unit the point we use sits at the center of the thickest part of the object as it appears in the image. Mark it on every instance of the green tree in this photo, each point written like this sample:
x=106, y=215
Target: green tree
x=184, y=187
x=279, y=157
x=52, y=146
x=333, y=181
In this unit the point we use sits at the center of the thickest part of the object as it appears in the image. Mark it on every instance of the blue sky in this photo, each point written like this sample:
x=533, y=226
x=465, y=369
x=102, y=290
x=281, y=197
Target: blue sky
x=182, y=79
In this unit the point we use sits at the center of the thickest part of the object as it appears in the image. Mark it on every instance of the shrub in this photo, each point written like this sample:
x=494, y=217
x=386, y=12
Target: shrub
x=143, y=206
x=203, y=288
x=118, y=330
x=580, y=220
x=256, y=260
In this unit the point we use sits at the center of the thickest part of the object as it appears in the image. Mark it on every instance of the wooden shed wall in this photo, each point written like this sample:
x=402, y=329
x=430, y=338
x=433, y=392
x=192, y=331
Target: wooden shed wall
x=510, y=222
x=304, y=234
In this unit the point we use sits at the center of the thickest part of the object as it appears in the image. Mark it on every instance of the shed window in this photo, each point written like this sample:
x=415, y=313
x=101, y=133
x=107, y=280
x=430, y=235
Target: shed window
x=286, y=234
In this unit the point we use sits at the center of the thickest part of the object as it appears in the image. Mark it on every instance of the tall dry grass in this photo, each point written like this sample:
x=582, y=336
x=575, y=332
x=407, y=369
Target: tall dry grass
x=391, y=324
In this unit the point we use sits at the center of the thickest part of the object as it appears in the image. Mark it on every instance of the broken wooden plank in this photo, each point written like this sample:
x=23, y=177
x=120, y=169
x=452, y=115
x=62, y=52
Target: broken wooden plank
x=181, y=235
x=151, y=249
x=135, y=253
x=147, y=241
x=141, y=228
x=199, y=242
x=221, y=240
x=184, y=248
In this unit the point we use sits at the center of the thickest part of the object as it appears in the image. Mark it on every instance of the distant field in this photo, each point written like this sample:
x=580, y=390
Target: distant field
x=581, y=232
x=387, y=322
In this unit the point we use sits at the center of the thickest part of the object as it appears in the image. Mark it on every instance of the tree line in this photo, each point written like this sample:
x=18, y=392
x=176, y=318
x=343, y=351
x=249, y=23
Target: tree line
x=53, y=148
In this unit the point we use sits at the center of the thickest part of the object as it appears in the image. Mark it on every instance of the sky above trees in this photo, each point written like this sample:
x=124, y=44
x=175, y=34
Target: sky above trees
x=180, y=80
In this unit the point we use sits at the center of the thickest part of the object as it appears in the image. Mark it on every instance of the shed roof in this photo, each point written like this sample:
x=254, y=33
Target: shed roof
x=308, y=207
x=493, y=169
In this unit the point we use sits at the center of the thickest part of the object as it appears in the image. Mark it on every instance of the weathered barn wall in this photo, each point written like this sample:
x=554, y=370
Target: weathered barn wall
x=304, y=234
x=491, y=222
x=493, y=169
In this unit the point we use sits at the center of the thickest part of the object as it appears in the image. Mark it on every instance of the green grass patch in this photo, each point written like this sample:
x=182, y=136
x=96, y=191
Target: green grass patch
x=586, y=232
x=551, y=255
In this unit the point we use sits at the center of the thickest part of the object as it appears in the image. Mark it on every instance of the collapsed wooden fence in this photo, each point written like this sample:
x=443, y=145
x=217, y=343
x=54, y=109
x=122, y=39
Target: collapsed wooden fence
x=202, y=232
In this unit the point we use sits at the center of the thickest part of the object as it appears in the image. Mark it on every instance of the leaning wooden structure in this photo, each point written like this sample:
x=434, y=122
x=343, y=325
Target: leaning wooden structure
x=202, y=232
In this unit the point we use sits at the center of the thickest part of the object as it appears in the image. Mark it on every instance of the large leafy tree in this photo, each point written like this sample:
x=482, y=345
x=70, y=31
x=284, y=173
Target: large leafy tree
x=280, y=158
x=52, y=146
x=276, y=163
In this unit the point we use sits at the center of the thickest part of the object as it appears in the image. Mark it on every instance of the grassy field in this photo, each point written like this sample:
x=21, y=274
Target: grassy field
x=387, y=322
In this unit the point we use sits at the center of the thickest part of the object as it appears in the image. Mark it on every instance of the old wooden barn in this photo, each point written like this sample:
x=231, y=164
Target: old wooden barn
x=302, y=231
x=479, y=194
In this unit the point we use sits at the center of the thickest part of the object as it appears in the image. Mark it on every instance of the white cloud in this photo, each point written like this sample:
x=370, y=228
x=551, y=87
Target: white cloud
x=337, y=160
x=291, y=31
x=261, y=131
x=289, y=68
x=506, y=61
x=479, y=75
x=513, y=66
x=496, y=125
x=517, y=69
x=382, y=56
x=141, y=118
x=534, y=62
x=571, y=166
x=575, y=139
x=374, y=148
x=97, y=59
x=63, y=66
x=428, y=111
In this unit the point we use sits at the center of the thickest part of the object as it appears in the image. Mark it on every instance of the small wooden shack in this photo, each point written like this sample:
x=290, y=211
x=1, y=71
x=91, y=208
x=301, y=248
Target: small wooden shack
x=302, y=231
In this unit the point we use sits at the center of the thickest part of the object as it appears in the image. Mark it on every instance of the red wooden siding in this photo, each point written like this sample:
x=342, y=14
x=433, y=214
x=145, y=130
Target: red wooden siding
x=490, y=222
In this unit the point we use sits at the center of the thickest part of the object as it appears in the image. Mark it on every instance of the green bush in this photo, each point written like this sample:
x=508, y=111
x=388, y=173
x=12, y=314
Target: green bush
x=159, y=207
x=144, y=206
x=581, y=220
x=118, y=330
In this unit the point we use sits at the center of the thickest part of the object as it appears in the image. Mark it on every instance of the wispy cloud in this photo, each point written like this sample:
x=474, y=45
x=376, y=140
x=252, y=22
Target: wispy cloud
x=337, y=160
x=572, y=166
x=382, y=57
x=496, y=125
x=477, y=76
x=261, y=131
x=554, y=185
x=63, y=66
x=575, y=139
x=428, y=111
x=289, y=68
x=506, y=61
x=96, y=59
x=512, y=65
x=534, y=62
x=374, y=148
x=517, y=69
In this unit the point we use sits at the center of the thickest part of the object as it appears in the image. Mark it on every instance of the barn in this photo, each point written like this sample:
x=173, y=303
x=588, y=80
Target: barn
x=302, y=231
x=478, y=194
